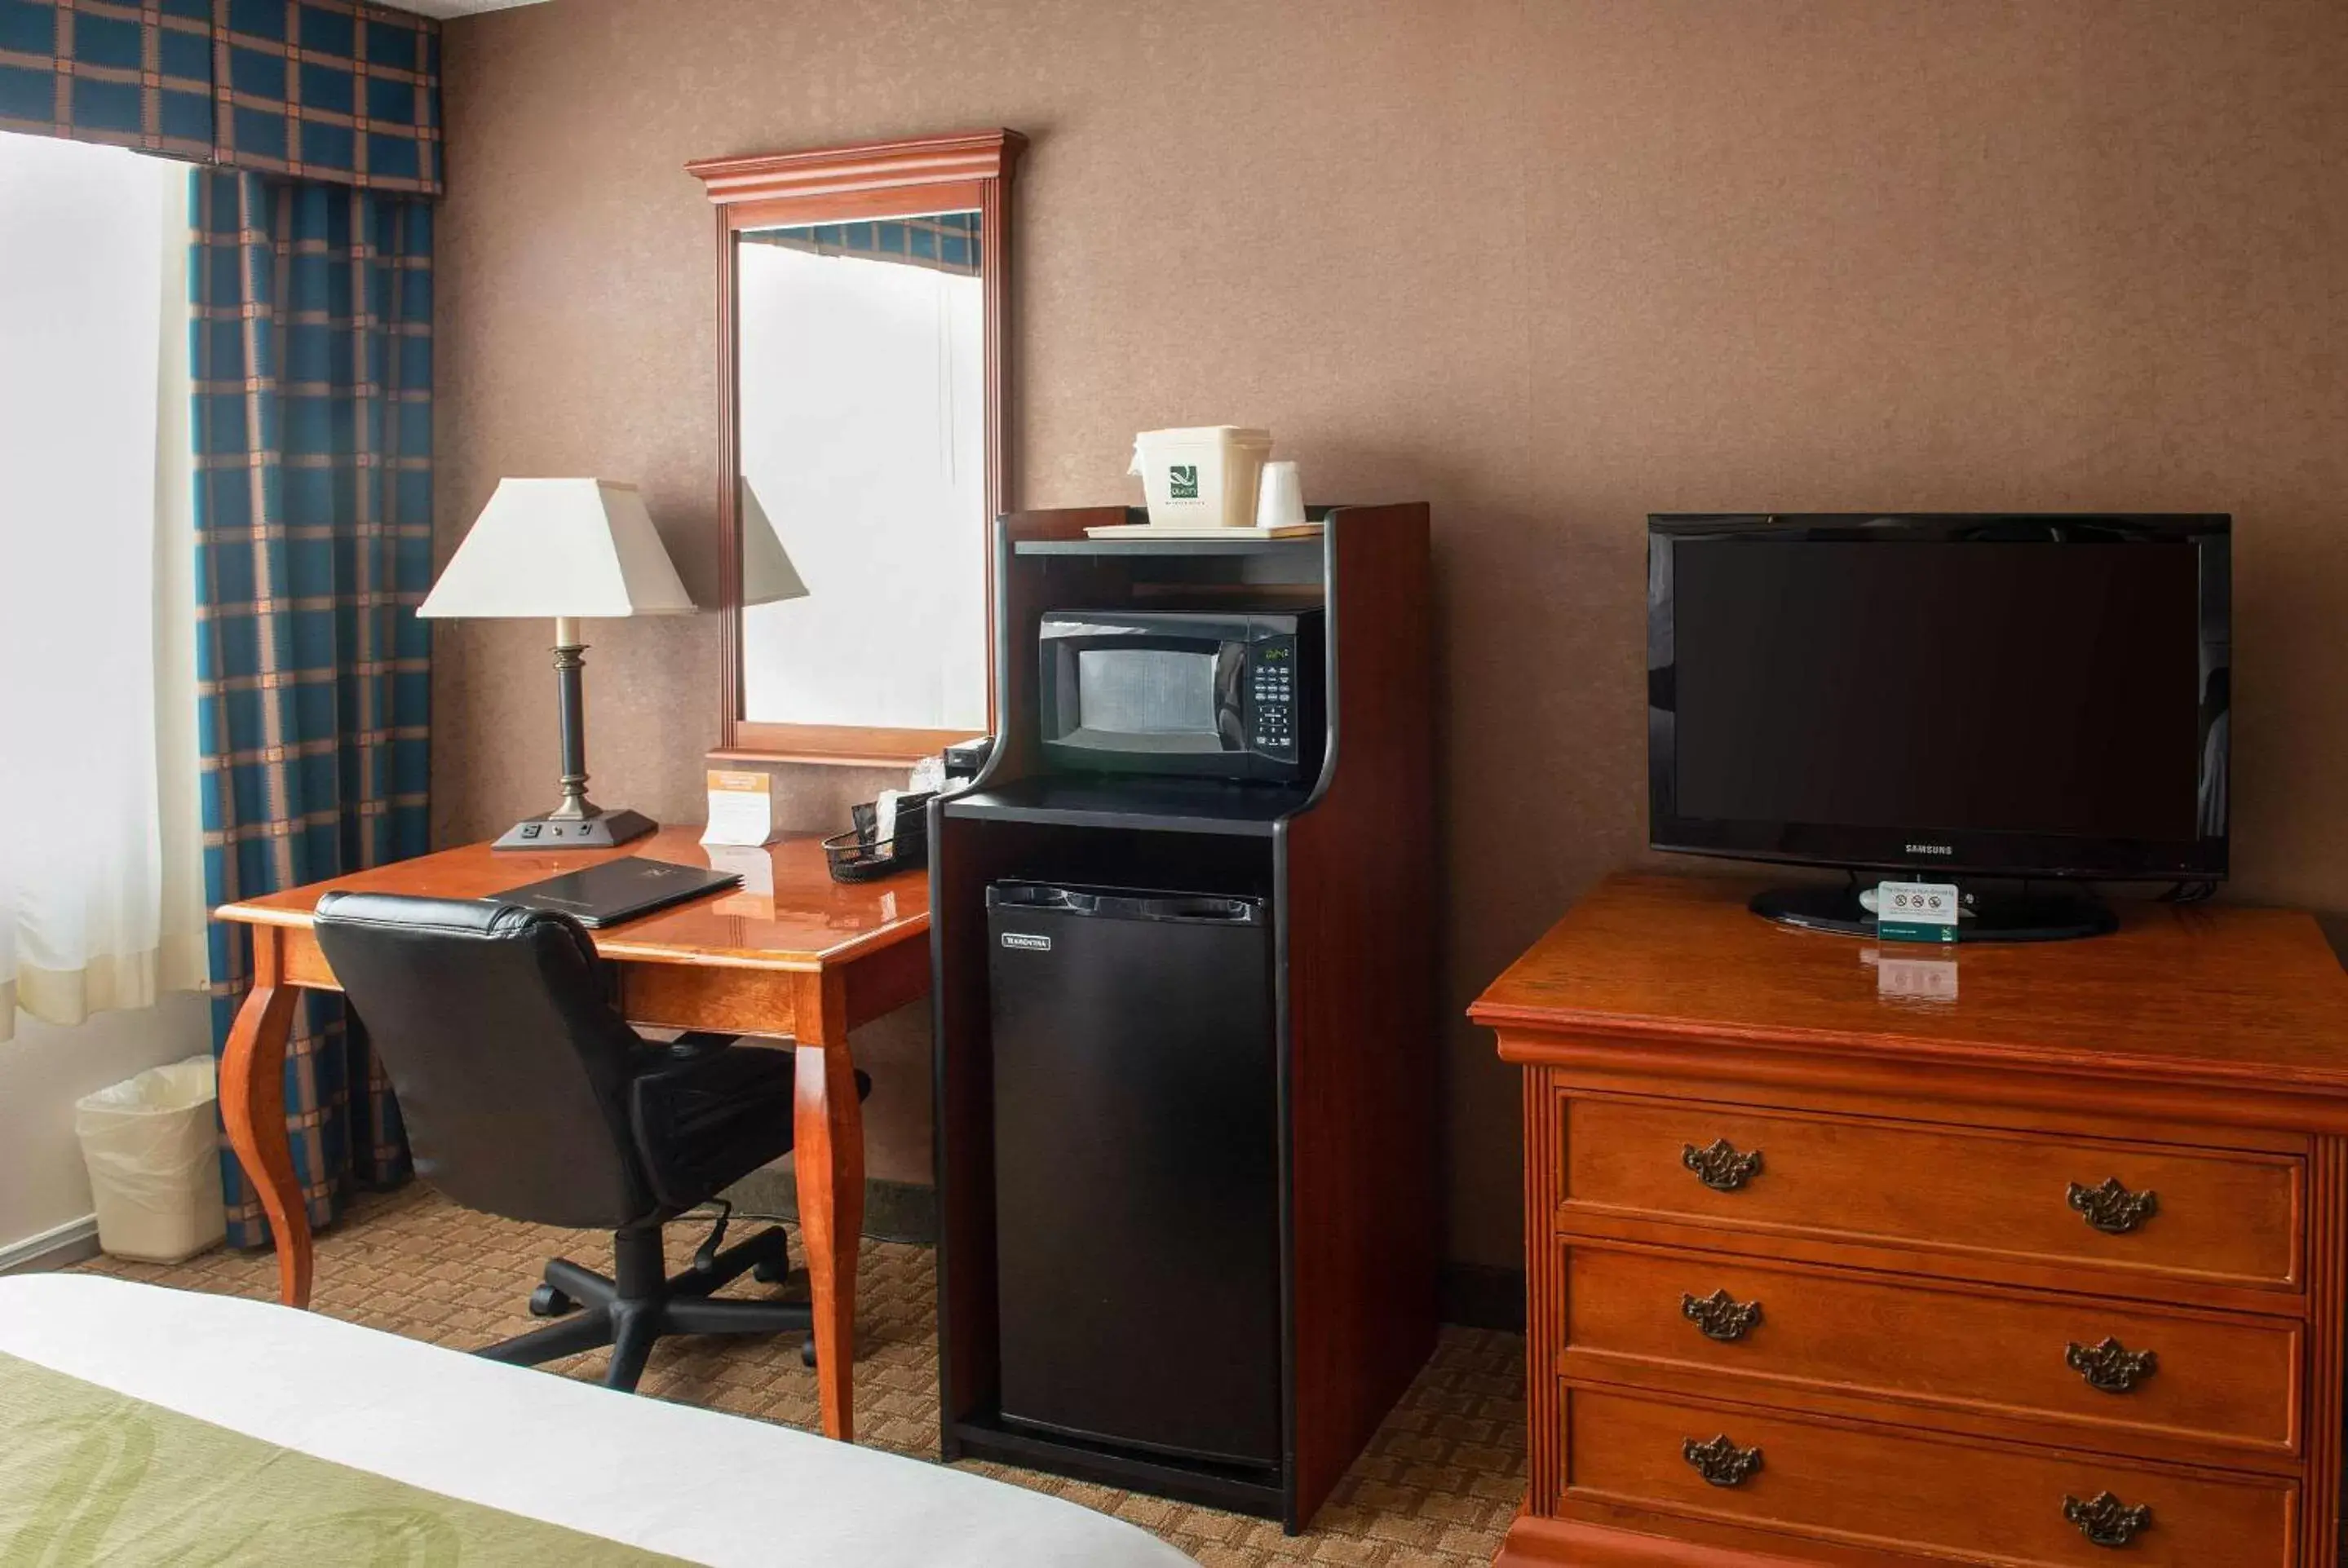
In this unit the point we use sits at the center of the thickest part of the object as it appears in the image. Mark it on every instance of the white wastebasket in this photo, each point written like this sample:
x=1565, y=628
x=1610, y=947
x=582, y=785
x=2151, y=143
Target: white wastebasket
x=153, y=1146
x=1202, y=478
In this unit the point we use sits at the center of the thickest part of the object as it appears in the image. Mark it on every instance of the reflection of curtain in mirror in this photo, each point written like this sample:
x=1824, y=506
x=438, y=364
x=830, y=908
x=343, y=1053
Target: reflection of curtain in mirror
x=863, y=427
x=947, y=241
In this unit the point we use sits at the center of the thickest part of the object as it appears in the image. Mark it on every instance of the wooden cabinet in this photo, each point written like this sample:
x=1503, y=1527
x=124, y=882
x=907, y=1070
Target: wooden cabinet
x=2053, y=1271
x=1346, y=866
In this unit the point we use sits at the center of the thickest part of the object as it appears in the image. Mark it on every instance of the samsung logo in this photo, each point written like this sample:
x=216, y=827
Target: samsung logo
x=1026, y=942
x=1929, y=849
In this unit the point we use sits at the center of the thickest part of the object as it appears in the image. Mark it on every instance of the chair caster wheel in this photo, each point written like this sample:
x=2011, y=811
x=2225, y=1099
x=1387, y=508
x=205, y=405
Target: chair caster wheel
x=806, y=1351
x=777, y=1272
x=548, y=1302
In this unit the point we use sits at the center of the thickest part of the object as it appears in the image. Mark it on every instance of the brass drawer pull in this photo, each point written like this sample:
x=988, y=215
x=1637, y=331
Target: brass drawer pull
x=1721, y=1318
x=2112, y=1208
x=2111, y=1367
x=1720, y=1462
x=1720, y=1167
x=2106, y=1521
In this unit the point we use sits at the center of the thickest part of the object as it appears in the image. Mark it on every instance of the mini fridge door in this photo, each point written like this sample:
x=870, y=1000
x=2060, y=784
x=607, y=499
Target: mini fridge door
x=1136, y=1169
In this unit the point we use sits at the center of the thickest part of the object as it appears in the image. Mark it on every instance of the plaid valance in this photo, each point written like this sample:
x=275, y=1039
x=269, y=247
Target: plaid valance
x=947, y=242
x=335, y=90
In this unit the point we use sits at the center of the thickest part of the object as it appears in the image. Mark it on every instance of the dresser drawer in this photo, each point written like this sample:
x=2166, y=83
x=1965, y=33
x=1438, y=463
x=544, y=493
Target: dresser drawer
x=2207, y=1215
x=2229, y=1379
x=1874, y=1489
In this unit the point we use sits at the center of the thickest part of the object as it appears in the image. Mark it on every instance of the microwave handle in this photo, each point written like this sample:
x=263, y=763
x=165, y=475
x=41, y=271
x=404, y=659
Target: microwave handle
x=1231, y=696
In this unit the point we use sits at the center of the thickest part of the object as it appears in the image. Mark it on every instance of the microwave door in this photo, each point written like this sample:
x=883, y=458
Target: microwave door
x=1135, y=701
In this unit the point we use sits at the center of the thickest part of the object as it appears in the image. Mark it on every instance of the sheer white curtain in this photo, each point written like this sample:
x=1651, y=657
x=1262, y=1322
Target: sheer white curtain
x=100, y=883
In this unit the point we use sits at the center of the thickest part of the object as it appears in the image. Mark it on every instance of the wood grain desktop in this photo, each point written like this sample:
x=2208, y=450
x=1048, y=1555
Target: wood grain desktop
x=2054, y=1268
x=808, y=961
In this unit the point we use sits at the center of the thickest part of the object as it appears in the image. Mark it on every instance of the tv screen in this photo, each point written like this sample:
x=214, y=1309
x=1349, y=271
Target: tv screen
x=2018, y=695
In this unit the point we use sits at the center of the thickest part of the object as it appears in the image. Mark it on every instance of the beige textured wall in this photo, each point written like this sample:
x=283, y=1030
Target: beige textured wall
x=1549, y=264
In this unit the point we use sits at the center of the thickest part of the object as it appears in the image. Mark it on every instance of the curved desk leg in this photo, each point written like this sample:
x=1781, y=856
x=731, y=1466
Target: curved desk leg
x=253, y=1107
x=827, y=1153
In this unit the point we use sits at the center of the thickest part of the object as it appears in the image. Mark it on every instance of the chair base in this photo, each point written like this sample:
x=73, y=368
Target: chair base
x=643, y=1304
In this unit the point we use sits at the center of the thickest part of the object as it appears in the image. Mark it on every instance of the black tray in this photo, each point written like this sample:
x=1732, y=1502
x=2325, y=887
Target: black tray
x=854, y=857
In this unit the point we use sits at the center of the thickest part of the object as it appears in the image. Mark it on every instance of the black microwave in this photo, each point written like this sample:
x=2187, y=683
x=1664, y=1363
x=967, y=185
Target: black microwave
x=1218, y=694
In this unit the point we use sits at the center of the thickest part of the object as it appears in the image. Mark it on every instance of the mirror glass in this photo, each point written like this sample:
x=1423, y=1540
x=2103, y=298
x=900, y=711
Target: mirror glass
x=862, y=402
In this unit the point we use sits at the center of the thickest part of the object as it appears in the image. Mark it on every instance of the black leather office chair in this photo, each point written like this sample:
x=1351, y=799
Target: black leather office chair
x=527, y=1095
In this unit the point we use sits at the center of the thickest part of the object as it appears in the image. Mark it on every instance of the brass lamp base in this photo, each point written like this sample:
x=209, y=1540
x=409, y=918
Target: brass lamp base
x=601, y=831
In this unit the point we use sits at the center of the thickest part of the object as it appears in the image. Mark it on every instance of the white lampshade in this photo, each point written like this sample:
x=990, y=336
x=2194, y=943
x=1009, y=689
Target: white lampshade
x=575, y=548
x=768, y=575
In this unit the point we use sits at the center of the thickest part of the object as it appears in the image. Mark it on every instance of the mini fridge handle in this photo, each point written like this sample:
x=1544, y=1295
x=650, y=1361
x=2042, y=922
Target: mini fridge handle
x=1206, y=908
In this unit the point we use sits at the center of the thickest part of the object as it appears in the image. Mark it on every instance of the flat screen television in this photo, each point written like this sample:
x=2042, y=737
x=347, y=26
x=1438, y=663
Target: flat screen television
x=1995, y=695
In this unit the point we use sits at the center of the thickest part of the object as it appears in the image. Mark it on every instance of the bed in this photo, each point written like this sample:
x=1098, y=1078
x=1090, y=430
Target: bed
x=143, y=1424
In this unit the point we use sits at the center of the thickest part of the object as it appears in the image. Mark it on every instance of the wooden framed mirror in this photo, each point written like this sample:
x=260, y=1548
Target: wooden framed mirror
x=862, y=446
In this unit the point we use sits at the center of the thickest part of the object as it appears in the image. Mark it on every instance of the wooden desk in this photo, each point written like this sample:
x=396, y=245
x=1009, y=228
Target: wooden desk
x=809, y=961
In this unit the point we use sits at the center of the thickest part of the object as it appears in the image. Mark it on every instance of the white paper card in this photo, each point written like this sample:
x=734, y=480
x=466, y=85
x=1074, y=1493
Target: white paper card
x=741, y=808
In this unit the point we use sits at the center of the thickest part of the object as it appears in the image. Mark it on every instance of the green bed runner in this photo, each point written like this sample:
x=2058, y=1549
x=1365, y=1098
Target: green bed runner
x=88, y=1475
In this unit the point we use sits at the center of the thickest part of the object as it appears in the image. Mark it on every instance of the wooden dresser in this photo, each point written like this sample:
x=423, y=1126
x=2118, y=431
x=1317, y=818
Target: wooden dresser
x=1995, y=1255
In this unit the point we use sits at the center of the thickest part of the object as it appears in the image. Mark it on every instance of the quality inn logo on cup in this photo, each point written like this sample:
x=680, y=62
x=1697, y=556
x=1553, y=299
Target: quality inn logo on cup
x=1182, y=481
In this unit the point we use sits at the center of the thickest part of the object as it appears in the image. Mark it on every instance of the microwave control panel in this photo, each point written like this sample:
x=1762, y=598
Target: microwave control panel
x=1272, y=696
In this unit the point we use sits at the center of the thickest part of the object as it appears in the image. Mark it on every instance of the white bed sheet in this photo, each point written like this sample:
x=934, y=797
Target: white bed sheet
x=697, y=1484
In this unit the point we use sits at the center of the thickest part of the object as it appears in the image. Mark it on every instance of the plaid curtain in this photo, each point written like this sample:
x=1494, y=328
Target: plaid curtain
x=324, y=89
x=313, y=361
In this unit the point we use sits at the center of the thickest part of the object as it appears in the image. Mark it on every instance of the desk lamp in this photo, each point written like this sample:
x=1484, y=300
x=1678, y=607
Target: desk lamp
x=569, y=548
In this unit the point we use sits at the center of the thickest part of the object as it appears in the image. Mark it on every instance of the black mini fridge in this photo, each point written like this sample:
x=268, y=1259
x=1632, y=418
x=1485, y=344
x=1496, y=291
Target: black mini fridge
x=1136, y=1169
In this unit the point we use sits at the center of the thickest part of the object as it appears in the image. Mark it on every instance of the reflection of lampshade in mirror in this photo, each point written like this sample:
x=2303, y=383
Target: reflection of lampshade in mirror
x=768, y=575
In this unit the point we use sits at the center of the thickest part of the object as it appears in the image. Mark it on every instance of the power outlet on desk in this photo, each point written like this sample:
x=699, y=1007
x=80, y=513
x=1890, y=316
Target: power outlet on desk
x=599, y=832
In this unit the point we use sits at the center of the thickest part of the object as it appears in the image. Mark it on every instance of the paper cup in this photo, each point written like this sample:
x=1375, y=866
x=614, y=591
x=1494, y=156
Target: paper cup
x=1279, y=496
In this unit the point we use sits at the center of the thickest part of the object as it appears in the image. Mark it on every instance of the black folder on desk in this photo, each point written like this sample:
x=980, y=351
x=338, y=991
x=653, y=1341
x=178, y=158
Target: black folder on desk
x=618, y=890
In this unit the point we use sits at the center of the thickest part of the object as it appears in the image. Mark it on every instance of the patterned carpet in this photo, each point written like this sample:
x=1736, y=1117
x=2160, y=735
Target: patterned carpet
x=1437, y=1485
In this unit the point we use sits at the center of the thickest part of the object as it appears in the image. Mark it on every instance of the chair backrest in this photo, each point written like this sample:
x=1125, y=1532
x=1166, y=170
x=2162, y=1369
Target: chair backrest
x=510, y=1066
